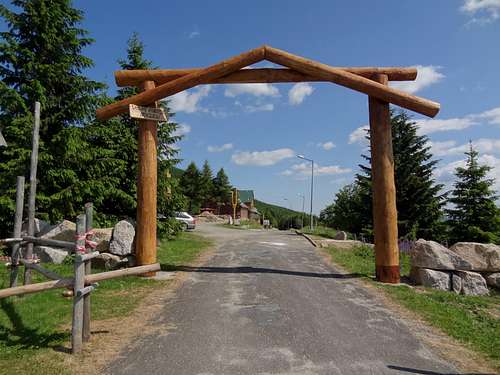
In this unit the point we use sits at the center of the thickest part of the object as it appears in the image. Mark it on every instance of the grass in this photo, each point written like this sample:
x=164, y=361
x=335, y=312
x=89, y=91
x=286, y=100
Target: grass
x=319, y=231
x=244, y=224
x=33, y=328
x=473, y=321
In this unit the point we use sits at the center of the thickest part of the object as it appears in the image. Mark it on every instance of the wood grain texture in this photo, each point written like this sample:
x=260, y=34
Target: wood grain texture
x=89, y=217
x=145, y=241
x=79, y=283
x=353, y=81
x=384, y=190
x=261, y=75
x=183, y=83
x=18, y=223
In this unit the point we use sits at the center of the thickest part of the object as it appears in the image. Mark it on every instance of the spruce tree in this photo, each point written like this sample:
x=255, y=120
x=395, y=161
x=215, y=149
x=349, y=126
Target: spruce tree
x=41, y=60
x=206, y=188
x=418, y=198
x=222, y=188
x=190, y=184
x=474, y=215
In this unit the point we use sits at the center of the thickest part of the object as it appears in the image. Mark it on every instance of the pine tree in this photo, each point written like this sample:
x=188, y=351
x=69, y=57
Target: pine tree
x=41, y=60
x=344, y=213
x=190, y=184
x=222, y=188
x=418, y=198
x=206, y=188
x=474, y=216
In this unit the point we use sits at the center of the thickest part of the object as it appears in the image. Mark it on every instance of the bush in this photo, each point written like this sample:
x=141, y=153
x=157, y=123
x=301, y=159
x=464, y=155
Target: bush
x=168, y=228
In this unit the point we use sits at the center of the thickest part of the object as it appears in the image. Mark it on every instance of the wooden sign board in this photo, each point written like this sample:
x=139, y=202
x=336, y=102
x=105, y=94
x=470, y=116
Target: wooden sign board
x=234, y=197
x=147, y=113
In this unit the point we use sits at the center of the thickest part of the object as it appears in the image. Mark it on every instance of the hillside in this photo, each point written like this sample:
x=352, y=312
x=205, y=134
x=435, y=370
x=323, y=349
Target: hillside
x=280, y=217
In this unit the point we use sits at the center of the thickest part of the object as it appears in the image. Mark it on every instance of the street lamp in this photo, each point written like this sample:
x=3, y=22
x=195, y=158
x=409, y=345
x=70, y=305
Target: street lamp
x=303, y=208
x=290, y=207
x=312, y=185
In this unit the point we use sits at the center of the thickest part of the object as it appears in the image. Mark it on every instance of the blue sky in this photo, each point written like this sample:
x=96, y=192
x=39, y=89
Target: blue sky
x=255, y=131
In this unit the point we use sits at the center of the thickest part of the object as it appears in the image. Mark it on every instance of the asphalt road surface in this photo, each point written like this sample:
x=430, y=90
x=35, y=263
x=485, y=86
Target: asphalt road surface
x=266, y=303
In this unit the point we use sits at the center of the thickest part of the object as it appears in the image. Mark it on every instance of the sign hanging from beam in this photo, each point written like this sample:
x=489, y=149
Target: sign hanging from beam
x=147, y=113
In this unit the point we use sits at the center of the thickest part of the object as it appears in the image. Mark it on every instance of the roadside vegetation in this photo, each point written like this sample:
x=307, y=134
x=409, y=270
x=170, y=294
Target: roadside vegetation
x=35, y=327
x=320, y=231
x=474, y=321
x=245, y=224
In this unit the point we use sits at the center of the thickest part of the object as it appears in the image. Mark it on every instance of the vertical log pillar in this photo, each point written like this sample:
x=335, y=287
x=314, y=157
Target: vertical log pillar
x=384, y=190
x=89, y=213
x=145, y=246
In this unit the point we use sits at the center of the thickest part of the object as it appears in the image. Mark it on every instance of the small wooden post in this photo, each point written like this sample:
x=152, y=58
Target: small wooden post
x=89, y=210
x=32, y=195
x=18, y=222
x=77, y=326
x=145, y=247
x=384, y=190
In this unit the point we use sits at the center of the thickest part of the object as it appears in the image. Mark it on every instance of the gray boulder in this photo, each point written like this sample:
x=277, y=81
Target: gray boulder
x=456, y=283
x=122, y=241
x=50, y=255
x=40, y=226
x=103, y=238
x=341, y=235
x=493, y=280
x=64, y=231
x=482, y=257
x=108, y=261
x=473, y=284
x=432, y=278
x=430, y=254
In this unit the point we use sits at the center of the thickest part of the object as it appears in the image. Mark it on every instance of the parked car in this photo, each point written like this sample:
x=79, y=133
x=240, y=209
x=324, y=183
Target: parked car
x=188, y=222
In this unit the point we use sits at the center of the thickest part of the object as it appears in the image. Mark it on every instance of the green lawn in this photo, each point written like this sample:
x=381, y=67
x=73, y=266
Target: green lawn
x=244, y=224
x=320, y=231
x=33, y=327
x=472, y=320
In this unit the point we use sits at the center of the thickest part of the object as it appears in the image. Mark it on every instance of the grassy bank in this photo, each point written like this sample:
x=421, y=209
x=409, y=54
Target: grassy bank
x=33, y=328
x=319, y=231
x=244, y=224
x=473, y=321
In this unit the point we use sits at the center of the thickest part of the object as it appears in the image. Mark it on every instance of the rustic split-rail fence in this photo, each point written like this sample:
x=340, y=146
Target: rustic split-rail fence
x=83, y=247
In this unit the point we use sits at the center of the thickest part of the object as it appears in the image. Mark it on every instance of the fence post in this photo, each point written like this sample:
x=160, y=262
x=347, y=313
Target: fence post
x=18, y=222
x=77, y=324
x=88, y=270
x=32, y=195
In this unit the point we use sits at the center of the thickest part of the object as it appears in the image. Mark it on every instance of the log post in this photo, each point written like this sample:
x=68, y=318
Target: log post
x=88, y=270
x=145, y=246
x=384, y=190
x=18, y=222
x=79, y=283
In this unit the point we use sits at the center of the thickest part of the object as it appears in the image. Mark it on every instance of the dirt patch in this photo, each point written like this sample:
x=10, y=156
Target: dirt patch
x=111, y=336
x=441, y=344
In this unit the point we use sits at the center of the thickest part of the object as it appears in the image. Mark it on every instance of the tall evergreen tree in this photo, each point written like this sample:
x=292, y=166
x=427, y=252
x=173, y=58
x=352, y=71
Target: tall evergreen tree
x=206, y=188
x=474, y=216
x=418, y=198
x=222, y=188
x=41, y=60
x=190, y=184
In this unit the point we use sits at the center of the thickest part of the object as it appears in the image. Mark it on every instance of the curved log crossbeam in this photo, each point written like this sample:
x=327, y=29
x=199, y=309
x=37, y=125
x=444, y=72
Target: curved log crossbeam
x=308, y=68
x=259, y=75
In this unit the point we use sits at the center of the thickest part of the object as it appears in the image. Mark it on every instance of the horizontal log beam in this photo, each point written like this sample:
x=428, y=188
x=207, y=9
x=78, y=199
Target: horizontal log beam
x=45, y=272
x=352, y=81
x=49, y=242
x=89, y=279
x=183, y=83
x=261, y=75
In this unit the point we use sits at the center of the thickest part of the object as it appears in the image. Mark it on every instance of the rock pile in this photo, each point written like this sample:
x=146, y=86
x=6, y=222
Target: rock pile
x=465, y=268
x=116, y=244
x=208, y=217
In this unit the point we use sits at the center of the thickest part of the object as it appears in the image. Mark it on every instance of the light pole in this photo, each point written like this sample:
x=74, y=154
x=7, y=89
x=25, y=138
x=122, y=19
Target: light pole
x=303, y=208
x=312, y=186
x=290, y=207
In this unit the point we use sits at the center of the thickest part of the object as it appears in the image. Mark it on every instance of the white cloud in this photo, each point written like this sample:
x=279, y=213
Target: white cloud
x=488, y=10
x=259, y=108
x=492, y=116
x=298, y=93
x=358, y=135
x=224, y=147
x=188, y=102
x=305, y=169
x=327, y=145
x=483, y=145
x=182, y=129
x=255, y=89
x=193, y=34
x=262, y=158
x=428, y=126
x=441, y=148
x=286, y=172
x=427, y=75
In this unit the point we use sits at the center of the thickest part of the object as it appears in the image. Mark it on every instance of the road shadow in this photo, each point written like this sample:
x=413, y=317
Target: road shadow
x=170, y=267
x=427, y=372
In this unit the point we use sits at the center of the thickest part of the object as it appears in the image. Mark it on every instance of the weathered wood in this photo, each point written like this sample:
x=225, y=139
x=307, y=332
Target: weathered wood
x=18, y=223
x=183, y=83
x=45, y=272
x=68, y=282
x=384, y=190
x=49, y=242
x=145, y=242
x=89, y=214
x=87, y=257
x=79, y=283
x=353, y=81
x=261, y=75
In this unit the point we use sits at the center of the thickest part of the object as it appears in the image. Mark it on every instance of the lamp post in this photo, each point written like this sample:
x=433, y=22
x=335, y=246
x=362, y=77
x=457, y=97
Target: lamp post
x=290, y=207
x=312, y=186
x=303, y=208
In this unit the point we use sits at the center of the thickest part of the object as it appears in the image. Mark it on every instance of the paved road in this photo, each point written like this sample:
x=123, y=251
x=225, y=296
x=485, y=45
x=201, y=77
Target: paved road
x=267, y=304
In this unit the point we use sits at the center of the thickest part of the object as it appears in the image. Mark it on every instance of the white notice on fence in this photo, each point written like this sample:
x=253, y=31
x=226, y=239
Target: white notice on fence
x=147, y=113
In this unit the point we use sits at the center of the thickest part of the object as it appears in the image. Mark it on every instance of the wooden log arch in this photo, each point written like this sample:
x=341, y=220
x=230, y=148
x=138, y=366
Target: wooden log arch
x=372, y=81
